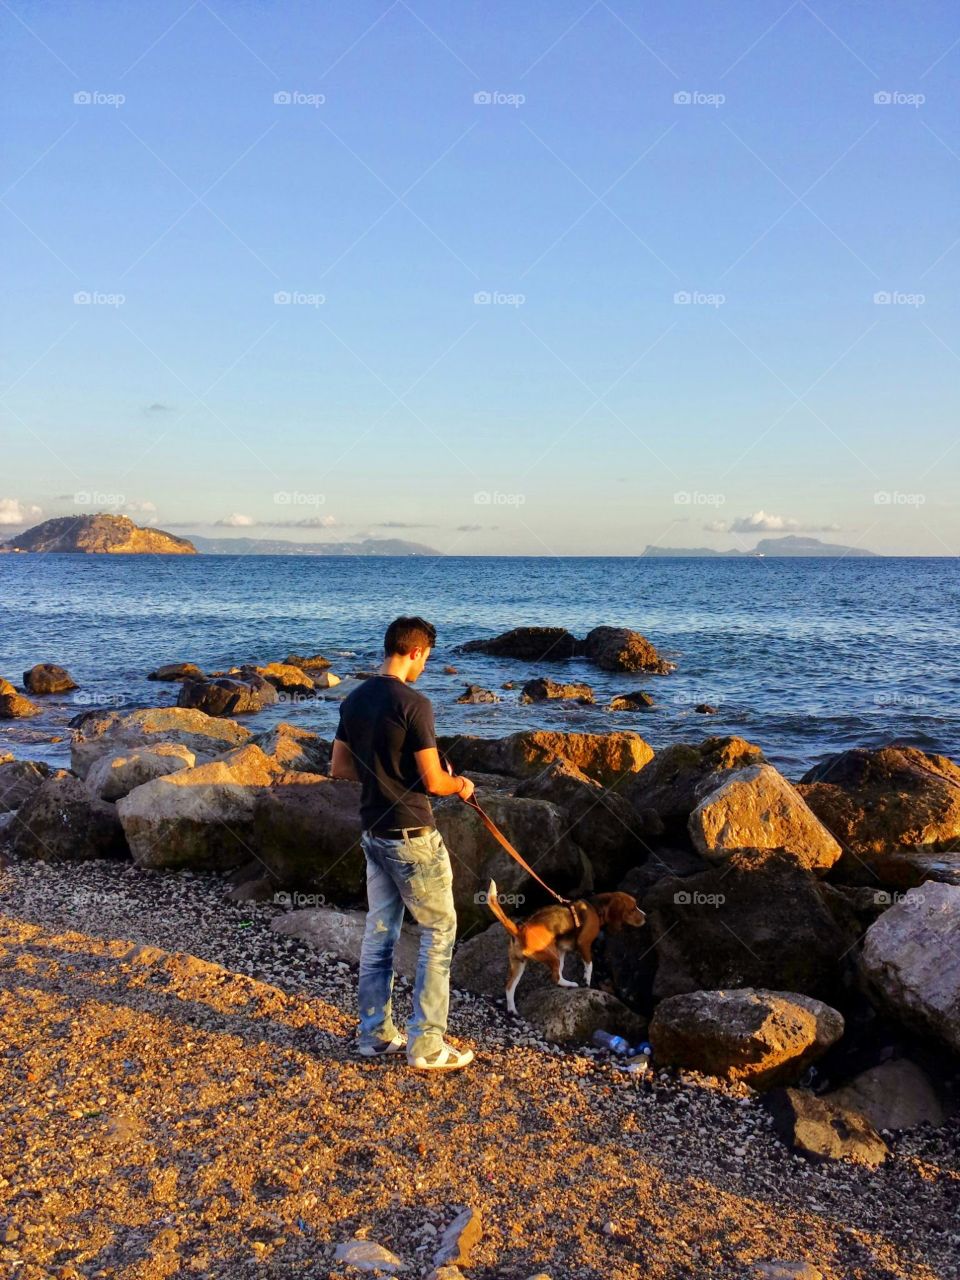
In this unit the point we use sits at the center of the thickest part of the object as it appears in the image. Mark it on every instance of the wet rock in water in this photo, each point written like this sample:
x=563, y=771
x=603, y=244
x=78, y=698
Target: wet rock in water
x=340, y=933
x=896, y=1094
x=367, y=1255
x=895, y=810
x=327, y=680
x=62, y=822
x=316, y=662
x=528, y=644
x=459, y=1240
x=227, y=696
x=475, y=693
x=570, y=1015
x=762, y=1037
x=306, y=831
x=450, y=671
x=544, y=690
x=756, y=808
x=620, y=649
x=748, y=926
x=13, y=705
x=286, y=677
x=638, y=700
x=705, y=709
x=46, y=677
x=606, y=757
x=171, y=671
x=911, y=961
x=296, y=748
x=480, y=961
x=19, y=779
x=677, y=778
x=113, y=777
x=822, y=1130
x=97, y=734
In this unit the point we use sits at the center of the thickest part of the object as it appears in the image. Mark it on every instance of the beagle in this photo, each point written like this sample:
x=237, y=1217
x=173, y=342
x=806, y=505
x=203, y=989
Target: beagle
x=553, y=931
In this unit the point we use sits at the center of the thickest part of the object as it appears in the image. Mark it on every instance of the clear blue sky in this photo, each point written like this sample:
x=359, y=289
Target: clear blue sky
x=583, y=409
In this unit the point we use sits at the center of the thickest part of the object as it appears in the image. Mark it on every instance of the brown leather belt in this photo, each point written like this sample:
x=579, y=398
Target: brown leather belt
x=399, y=833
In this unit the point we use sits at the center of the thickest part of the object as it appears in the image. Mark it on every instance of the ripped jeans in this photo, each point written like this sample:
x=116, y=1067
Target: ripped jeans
x=413, y=873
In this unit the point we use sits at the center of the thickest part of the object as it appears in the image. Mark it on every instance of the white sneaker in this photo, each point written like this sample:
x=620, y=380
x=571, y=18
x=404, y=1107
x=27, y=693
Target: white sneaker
x=446, y=1058
x=383, y=1048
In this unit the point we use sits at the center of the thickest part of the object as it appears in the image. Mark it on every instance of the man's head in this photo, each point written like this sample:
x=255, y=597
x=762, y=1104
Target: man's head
x=410, y=639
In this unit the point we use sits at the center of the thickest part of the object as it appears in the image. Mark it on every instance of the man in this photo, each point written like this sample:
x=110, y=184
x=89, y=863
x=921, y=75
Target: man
x=386, y=740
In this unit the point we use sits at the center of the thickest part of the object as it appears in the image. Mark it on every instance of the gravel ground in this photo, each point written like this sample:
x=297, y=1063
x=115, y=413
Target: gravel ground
x=178, y=1097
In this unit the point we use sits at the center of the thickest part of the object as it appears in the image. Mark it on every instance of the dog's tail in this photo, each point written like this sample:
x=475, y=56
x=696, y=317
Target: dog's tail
x=498, y=911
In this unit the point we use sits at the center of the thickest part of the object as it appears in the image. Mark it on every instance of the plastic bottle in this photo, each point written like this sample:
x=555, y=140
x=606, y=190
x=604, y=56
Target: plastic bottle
x=607, y=1040
x=643, y=1047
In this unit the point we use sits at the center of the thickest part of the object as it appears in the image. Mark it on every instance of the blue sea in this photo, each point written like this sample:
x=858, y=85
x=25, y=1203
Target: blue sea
x=803, y=657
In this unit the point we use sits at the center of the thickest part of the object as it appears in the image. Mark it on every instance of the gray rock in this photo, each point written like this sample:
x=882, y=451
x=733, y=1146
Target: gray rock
x=113, y=777
x=894, y=1095
x=62, y=822
x=340, y=933
x=480, y=964
x=116, y=733
x=459, y=1239
x=780, y=1270
x=570, y=1015
x=46, y=677
x=367, y=1255
x=823, y=1131
x=19, y=779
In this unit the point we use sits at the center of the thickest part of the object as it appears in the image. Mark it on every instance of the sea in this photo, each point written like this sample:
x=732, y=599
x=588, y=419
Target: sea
x=804, y=657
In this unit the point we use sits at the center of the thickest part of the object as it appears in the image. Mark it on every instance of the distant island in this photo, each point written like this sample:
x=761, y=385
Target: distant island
x=790, y=545
x=99, y=535
x=278, y=547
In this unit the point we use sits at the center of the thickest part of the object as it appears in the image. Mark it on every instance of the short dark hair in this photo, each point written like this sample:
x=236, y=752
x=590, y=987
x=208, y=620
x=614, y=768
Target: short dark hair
x=404, y=634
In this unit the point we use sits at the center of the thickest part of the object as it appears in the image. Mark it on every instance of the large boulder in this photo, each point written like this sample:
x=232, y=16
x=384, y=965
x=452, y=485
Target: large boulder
x=761, y=1037
x=744, y=926
x=19, y=779
x=13, y=705
x=306, y=833
x=756, y=808
x=528, y=644
x=570, y=1015
x=312, y=662
x=111, y=733
x=545, y=690
x=601, y=821
x=113, y=777
x=228, y=695
x=286, y=677
x=911, y=961
x=605, y=757
x=62, y=822
x=340, y=933
x=823, y=1130
x=896, y=1094
x=619, y=649
x=539, y=831
x=295, y=748
x=892, y=809
x=46, y=677
x=676, y=780
x=171, y=671
x=480, y=964
x=200, y=818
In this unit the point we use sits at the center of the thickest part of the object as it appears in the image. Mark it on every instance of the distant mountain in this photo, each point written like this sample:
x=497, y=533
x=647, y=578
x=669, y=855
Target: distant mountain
x=278, y=547
x=789, y=545
x=98, y=535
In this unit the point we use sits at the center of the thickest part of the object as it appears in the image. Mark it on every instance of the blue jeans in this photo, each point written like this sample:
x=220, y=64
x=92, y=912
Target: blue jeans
x=412, y=873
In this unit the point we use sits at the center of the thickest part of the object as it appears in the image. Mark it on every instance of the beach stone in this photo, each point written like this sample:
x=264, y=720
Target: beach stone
x=46, y=677
x=474, y=693
x=605, y=757
x=113, y=777
x=677, y=778
x=306, y=833
x=97, y=734
x=620, y=649
x=762, y=1037
x=570, y=1015
x=636, y=701
x=317, y=662
x=777, y=1269
x=171, y=671
x=544, y=690
x=911, y=961
x=891, y=809
x=459, y=1240
x=62, y=822
x=326, y=680
x=528, y=644
x=537, y=829
x=367, y=1255
x=480, y=963
x=822, y=1130
x=199, y=818
x=296, y=748
x=756, y=808
x=19, y=779
x=896, y=1094
x=286, y=677
x=746, y=926
x=340, y=933
x=13, y=705
x=227, y=695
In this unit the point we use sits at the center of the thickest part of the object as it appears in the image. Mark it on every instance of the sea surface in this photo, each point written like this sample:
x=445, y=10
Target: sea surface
x=804, y=657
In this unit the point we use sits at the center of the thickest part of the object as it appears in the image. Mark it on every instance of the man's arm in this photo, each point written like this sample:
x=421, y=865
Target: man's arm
x=342, y=762
x=436, y=780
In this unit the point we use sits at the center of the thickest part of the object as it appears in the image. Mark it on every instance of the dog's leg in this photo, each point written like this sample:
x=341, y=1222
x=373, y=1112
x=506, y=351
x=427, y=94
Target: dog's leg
x=587, y=973
x=517, y=967
x=561, y=980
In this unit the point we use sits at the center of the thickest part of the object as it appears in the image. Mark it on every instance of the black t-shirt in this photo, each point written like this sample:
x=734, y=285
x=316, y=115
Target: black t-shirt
x=384, y=722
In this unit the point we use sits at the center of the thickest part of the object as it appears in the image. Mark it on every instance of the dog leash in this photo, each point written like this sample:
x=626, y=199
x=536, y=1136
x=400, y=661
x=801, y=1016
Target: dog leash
x=501, y=839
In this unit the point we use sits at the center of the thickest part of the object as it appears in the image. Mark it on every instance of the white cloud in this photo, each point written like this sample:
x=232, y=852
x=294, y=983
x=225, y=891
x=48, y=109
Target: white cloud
x=13, y=511
x=765, y=522
x=308, y=522
x=236, y=521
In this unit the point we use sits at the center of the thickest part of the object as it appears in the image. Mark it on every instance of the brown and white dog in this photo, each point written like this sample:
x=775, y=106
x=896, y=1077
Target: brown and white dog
x=553, y=931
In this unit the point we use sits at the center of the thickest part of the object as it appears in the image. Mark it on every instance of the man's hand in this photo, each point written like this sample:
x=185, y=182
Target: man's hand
x=468, y=788
x=436, y=780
